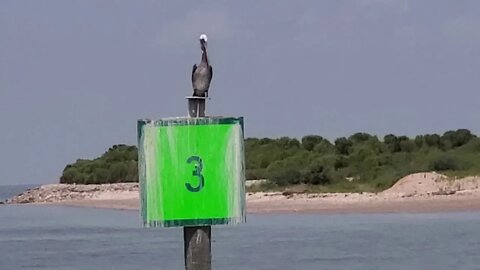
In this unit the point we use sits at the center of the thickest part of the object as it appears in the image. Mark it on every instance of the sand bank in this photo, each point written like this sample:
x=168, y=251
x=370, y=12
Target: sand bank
x=421, y=192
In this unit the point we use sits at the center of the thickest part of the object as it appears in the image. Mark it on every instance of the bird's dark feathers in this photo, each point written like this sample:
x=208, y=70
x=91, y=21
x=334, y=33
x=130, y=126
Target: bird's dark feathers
x=193, y=70
x=211, y=73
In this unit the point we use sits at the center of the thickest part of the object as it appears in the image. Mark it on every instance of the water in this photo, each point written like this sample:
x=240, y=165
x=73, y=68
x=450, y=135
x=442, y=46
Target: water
x=8, y=191
x=35, y=237
x=48, y=237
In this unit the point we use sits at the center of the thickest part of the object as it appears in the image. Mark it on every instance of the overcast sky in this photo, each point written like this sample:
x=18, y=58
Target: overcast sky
x=76, y=75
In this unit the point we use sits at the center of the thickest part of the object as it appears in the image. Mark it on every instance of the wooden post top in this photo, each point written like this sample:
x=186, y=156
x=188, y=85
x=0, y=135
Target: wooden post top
x=198, y=98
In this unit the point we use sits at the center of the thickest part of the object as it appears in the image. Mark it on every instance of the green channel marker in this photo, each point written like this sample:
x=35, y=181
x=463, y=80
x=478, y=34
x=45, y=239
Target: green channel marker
x=191, y=171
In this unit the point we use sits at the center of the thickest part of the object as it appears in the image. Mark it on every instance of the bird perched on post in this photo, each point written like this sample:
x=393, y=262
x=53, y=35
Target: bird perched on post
x=202, y=74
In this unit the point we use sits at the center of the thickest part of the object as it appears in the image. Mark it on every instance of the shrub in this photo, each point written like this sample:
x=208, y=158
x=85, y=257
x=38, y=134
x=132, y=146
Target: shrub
x=318, y=174
x=444, y=163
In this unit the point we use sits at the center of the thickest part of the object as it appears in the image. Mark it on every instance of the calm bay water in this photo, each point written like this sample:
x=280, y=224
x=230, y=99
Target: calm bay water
x=39, y=237
x=7, y=192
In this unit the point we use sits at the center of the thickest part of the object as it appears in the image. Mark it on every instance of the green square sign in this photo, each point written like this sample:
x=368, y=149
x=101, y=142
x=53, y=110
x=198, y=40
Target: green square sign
x=192, y=171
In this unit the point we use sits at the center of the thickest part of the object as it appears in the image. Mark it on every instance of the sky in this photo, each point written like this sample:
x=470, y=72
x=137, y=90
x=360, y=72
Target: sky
x=76, y=75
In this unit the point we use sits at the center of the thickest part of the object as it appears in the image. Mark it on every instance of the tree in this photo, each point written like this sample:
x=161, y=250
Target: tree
x=419, y=140
x=405, y=144
x=324, y=147
x=70, y=175
x=432, y=140
x=288, y=143
x=118, y=164
x=457, y=138
x=444, y=163
x=392, y=143
x=309, y=141
x=340, y=162
x=343, y=146
x=283, y=175
x=360, y=137
x=318, y=174
x=118, y=172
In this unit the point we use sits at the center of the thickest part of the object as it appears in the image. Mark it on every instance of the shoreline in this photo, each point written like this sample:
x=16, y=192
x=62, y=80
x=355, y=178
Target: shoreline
x=416, y=193
x=416, y=205
x=432, y=204
x=467, y=203
x=334, y=203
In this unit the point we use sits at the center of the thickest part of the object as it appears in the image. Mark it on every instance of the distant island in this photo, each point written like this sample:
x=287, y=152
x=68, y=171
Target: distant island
x=355, y=174
x=419, y=192
x=359, y=163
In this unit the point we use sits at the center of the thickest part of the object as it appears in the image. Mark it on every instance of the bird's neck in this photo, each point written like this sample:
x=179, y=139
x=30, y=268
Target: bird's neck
x=204, y=56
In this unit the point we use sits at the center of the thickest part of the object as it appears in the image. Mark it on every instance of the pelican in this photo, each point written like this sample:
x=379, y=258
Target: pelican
x=202, y=74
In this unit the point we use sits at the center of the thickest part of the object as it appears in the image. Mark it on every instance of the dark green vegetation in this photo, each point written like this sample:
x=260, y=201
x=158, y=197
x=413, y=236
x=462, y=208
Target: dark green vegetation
x=118, y=164
x=361, y=162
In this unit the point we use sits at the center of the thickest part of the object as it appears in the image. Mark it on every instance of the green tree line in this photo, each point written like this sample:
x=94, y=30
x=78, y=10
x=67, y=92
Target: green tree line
x=117, y=164
x=360, y=162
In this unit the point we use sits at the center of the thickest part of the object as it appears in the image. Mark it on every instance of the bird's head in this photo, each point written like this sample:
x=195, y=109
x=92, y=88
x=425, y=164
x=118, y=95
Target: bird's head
x=203, y=40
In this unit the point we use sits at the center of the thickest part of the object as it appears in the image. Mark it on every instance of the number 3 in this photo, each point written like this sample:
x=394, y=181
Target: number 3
x=197, y=172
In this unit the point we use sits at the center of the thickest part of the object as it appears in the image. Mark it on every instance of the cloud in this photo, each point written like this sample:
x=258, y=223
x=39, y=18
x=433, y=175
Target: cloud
x=215, y=23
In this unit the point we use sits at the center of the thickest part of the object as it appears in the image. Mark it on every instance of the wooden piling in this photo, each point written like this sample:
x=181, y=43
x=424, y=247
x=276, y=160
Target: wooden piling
x=197, y=247
x=197, y=239
x=196, y=106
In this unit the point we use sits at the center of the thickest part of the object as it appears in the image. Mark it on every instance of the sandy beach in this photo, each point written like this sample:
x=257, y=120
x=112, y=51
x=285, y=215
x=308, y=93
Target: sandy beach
x=277, y=203
x=421, y=192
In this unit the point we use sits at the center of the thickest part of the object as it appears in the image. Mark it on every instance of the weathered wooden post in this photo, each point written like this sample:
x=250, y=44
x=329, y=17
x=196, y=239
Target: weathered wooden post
x=196, y=106
x=197, y=240
x=192, y=174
